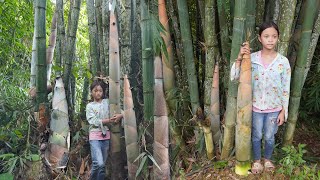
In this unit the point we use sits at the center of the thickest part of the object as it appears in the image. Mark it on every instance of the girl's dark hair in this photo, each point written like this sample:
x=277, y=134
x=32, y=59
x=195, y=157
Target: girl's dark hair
x=104, y=86
x=268, y=24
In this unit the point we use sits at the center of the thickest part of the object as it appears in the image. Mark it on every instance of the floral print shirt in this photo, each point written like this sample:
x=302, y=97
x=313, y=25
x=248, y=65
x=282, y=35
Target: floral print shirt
x=95, y=112
x=271, y=84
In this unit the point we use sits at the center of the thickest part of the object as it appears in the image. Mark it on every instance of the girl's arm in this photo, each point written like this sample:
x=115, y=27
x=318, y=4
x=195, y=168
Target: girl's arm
x=235, y=69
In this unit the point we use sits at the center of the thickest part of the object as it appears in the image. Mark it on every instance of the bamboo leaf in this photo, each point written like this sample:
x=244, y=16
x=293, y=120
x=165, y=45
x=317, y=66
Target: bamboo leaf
x=154, y=161
x=140, y=155
x=141, y=165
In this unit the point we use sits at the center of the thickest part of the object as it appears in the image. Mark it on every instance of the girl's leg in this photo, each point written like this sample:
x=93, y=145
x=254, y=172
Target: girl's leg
x=105, y=150
x=98, y=166
x=270, y=129
x=257, y=126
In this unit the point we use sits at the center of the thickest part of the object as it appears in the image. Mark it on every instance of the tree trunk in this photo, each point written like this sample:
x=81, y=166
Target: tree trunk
x=114, y=98
x=230, y=116
x=300, y=70
x=287, y=9
x=96, y=68
x=130, y=129
x=161, y=124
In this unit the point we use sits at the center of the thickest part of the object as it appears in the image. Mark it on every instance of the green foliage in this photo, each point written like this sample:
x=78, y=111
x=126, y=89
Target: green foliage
x=294, y=166
x=7, y=176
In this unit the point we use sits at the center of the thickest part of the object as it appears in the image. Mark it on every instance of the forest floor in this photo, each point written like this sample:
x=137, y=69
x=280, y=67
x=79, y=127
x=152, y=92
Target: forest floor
x=305, y=133
x=308, y=134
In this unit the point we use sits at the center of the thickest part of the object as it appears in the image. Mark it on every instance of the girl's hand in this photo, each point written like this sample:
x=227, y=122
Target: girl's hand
x=244, y=49
x=280, y=119
x=117, y=117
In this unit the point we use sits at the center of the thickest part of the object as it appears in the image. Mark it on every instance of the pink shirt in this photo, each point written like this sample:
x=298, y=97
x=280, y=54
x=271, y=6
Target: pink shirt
x=97, y=135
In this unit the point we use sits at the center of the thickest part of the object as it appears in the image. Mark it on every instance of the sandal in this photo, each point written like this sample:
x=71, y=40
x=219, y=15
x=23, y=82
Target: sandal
x=268, y=165
x=257, y=167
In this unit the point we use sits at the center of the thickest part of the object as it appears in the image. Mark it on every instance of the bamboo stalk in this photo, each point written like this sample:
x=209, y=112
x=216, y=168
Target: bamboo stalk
x=230, y=118
x=299, y=71
x=244, y=117
x=215, y=109
x=130, y=130
x=94, y=52
x=287, y=9
x=114, y=96
x=161, y=126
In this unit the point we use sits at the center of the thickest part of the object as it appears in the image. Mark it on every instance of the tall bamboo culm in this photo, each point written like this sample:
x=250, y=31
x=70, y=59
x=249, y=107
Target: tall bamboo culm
x=114, y=97
x=299, y=70
x=130, y=130
x=41, y=70
x=237, y=40
x=147, y=61
x=161, y=125
x=244, y=117
x=287, y=11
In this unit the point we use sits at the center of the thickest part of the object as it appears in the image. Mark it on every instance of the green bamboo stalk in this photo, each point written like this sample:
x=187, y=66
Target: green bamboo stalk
x=135, y=76
x=71, y=40
x=300, y=70
x=99, y=35
x=260, y=8
x=251, y=24
x=125, y=40
x=276, y=11
x=244, y=117
x=93, y=38
x=114, y=97
x=61, y=34
x=130, y=131
x=161, y=124
x=188, y=53
x=105, y=40
x=33, y=61
x=237, y=40
x=212, y=52
x=147, y=62
x=40, y=34
x=225, y=26
x=313, y=45
x=287, y=11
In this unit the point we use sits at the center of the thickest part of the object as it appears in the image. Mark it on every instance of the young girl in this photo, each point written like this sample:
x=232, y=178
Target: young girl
x=97, y=113
x=271, y=75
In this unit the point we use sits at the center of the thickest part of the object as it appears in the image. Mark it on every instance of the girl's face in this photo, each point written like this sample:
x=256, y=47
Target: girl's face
x=97, y=93
x=269, y=38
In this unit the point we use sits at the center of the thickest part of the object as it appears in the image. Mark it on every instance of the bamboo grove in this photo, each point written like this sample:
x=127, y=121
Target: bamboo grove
x=167, y=63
